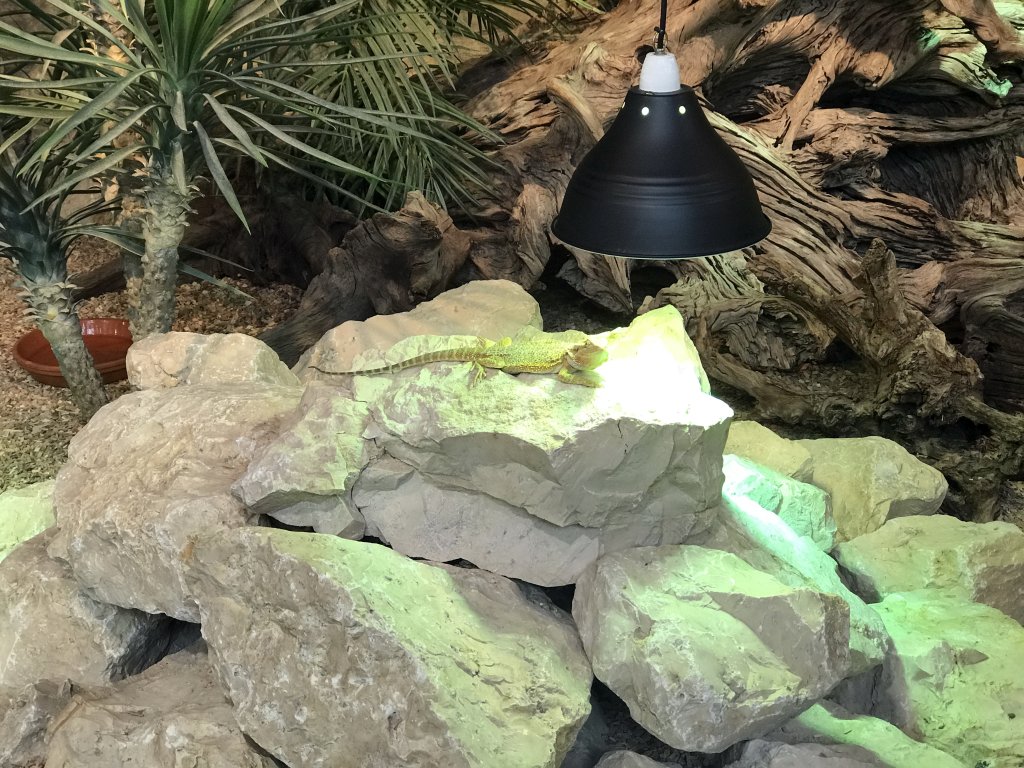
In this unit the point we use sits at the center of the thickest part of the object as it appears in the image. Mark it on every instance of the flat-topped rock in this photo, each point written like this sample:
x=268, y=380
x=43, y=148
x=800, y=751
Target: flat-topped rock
x=871, y=480
x=345, y=654
x=759, y=444
x=981, y=562
x=626, y=759
x=681, y=634
x=534, y=478
x=166, y=360
x=491, y=309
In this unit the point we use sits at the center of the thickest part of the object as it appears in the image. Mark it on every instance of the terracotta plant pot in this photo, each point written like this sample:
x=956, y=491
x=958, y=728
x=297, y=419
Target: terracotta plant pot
x=106, y=338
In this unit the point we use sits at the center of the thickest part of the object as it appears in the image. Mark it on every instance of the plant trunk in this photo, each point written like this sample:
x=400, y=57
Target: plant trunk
x=163, y=227
x=76, y=364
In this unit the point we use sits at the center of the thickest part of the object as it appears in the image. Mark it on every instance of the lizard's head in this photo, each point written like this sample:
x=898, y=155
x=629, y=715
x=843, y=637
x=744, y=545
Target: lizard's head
x=586, y=356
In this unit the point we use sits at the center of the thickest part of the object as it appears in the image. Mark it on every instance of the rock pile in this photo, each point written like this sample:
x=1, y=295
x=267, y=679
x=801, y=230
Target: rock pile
x=382, y=569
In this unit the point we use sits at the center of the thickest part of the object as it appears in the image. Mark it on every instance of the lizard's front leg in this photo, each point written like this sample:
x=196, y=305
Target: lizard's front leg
x=583, y=378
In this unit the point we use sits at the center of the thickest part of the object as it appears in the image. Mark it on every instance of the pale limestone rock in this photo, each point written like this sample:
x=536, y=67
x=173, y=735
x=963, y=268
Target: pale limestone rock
x=25, y=714
x=766, y=543
x=304, y=477
x=637, y=459
x=345, y=654
x=871, y=480
x=768, y=754
x=166, y=360
x=51, y=630
x=172, y=715
x=759, y=444
x=956, y=678
x=24, y=512
x=803, y=507
x=626, y=759
x=491, y=309
x=150, y=471
x=703, y=649
x=829, y=724
x=983, y=563
x=421, y=519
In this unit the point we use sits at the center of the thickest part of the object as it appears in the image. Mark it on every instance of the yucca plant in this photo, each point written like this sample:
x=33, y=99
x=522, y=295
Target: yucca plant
x=183, y=84
x=37, y=237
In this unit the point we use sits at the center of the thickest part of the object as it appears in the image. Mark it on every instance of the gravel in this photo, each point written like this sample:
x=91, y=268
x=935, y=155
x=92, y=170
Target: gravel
x=37, y=421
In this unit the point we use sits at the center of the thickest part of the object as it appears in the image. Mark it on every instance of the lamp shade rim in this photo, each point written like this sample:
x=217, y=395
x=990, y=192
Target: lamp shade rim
x=635, y=252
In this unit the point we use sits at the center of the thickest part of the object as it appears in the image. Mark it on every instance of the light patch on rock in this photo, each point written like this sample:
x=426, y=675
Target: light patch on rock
x=759, y=444
x=304, y=476
x=805, y=508
x=829, y=724
x=871, y=480
x=981, y=562
x=705, y=650
x=345, y=654
x=172, y=715
x=24, y=512
x=956, y=677
x=150, y=471
x=166, y=360
x=51, y=630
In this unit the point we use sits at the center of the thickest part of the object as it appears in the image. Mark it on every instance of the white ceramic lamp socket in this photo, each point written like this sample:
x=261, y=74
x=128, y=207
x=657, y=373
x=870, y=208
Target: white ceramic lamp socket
x=660, y=73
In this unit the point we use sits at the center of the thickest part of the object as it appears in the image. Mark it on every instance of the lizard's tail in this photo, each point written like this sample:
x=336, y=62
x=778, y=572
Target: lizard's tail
x=456, y=355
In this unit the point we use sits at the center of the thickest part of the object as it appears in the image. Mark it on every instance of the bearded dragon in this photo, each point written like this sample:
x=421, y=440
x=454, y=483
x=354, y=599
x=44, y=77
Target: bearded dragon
x=570, y=355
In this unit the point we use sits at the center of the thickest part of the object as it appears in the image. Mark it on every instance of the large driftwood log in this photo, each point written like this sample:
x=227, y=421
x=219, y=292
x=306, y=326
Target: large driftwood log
x=859, y=120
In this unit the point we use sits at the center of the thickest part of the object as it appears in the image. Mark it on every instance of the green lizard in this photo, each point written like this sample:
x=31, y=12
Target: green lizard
x=571, y=355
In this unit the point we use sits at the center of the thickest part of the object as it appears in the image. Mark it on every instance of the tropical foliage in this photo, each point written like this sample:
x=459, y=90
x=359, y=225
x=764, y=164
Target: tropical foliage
x=37, y=236
x=342, y=93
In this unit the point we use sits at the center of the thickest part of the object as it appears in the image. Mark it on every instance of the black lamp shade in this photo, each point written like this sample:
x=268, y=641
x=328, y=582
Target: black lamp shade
x=661, y=184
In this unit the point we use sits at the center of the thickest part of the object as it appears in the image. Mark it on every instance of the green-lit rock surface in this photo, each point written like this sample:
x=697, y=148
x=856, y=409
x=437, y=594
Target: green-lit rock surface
x=172, y=715
x=344, y=654
x=956, y=679
x=705, y=650
x=982, y=563
x=173, y=359
x=304, y=477
x=759, y=444
x=830, y=724
x=151, y=470
x=24, y=512
x=871, y=480
x=765, y=542
x=805, y=508
x=635, y=461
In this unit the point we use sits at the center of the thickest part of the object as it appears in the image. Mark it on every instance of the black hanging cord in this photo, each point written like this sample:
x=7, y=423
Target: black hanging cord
x=660, y=29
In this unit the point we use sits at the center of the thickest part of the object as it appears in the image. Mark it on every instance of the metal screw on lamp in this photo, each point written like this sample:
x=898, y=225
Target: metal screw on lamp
x=661, y=183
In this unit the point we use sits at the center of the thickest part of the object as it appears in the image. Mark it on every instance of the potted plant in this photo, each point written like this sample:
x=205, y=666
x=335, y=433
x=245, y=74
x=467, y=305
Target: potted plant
x=36, y=235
